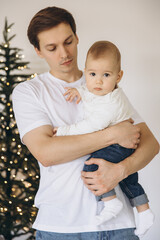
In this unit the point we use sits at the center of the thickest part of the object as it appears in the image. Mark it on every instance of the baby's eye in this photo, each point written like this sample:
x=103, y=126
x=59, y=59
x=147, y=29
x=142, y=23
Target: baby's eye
x=106, y=74
x=92, y=74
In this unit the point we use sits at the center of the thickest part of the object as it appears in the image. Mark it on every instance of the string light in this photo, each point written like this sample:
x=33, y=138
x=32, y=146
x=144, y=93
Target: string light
x=19, y=209
x=9, y=164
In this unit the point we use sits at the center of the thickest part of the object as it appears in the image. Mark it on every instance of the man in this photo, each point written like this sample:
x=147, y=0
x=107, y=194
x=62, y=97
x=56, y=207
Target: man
x=39, y=105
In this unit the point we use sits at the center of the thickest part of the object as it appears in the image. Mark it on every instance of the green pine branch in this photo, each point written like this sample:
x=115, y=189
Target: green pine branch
x=16, y=193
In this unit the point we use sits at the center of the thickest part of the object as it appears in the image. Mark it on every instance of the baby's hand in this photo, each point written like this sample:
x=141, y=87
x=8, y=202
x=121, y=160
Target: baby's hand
x=55, y=131
x=72, y=94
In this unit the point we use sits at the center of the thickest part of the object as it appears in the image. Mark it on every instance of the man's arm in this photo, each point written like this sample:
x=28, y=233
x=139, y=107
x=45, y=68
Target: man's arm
x=109, y=174
x=51, y=150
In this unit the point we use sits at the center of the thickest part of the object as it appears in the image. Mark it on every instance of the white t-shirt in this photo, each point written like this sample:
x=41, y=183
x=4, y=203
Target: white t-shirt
x=99, y=112
x=65, y=204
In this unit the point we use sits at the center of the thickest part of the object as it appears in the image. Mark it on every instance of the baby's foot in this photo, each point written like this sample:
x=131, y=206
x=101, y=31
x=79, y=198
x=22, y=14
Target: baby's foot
x=144, y=222
x=111, y=209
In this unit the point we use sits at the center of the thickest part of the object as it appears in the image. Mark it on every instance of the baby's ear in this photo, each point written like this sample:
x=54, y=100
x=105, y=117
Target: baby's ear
x=120, y=75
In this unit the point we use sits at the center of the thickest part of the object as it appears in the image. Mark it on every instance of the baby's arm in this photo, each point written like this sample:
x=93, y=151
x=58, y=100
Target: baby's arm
x=72, y=94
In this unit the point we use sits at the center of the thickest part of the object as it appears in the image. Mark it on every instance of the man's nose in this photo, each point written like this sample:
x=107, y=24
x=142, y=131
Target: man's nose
x=63, y=52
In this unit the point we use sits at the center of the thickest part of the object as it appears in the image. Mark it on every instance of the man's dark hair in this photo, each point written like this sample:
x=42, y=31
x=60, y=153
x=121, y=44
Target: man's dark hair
x=46, y=19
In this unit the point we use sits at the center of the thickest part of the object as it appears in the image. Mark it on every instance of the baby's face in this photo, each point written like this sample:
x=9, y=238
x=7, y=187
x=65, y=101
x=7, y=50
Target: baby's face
x=102, y=75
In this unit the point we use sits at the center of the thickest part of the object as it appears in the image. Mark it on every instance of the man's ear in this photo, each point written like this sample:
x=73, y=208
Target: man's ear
x=38, y=52
x=120, y=75
x=77, y=39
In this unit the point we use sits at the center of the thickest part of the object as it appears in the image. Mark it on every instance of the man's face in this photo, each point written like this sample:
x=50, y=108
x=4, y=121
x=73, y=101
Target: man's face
x=58, y=46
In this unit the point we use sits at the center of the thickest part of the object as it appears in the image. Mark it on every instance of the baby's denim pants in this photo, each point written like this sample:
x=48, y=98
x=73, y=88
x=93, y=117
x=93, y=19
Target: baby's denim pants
x=130, y=186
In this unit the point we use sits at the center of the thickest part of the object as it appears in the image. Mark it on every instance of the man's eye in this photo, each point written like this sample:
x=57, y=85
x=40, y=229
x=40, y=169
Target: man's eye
x=52, y=49
x=106, y=74
x=68, y=43
x=92, y=74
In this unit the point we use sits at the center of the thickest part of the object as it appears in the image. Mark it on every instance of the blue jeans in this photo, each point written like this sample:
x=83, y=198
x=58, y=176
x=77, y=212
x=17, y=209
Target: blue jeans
x=122, y=234
x=130, y=186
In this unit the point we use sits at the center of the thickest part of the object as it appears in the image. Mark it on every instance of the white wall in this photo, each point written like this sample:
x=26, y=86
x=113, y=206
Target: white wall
x=134, y=26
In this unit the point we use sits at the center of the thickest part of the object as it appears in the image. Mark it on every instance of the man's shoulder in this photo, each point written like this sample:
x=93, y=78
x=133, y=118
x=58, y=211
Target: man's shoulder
x=34, y=83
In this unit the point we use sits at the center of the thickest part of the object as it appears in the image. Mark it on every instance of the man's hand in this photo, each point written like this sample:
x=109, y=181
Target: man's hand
x=105, y=178
x=126, y=134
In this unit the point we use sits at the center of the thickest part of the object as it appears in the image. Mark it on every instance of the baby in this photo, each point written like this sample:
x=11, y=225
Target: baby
x=105, y=104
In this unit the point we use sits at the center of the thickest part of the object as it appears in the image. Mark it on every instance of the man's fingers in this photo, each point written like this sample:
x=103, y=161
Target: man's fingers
x=97, y=161
x=87, y=174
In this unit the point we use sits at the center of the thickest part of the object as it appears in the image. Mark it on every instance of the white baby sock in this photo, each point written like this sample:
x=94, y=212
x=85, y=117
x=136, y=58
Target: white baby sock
x=110, y=210
x=144, y=222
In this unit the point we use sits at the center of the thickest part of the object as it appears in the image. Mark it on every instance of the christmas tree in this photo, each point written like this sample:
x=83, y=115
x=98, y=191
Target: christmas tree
x=19, y=171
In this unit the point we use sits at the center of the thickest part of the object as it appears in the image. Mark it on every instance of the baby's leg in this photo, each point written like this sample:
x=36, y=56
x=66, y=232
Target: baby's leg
x=145, y=219
x=112, y=207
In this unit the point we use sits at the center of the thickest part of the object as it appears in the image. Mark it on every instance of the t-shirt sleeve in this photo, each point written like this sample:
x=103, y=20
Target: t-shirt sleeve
x=135, y=115
x=29, y=113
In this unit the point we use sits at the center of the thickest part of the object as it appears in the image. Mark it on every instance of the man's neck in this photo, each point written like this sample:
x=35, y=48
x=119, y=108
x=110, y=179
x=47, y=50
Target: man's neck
x=68, y=77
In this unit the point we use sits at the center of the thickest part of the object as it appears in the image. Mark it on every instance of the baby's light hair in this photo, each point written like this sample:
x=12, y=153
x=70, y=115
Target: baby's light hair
x=101, y=48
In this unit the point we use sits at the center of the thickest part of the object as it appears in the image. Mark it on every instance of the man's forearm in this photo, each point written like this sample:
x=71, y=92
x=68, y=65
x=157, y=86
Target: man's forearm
x=51, y=150
x=145, y=152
